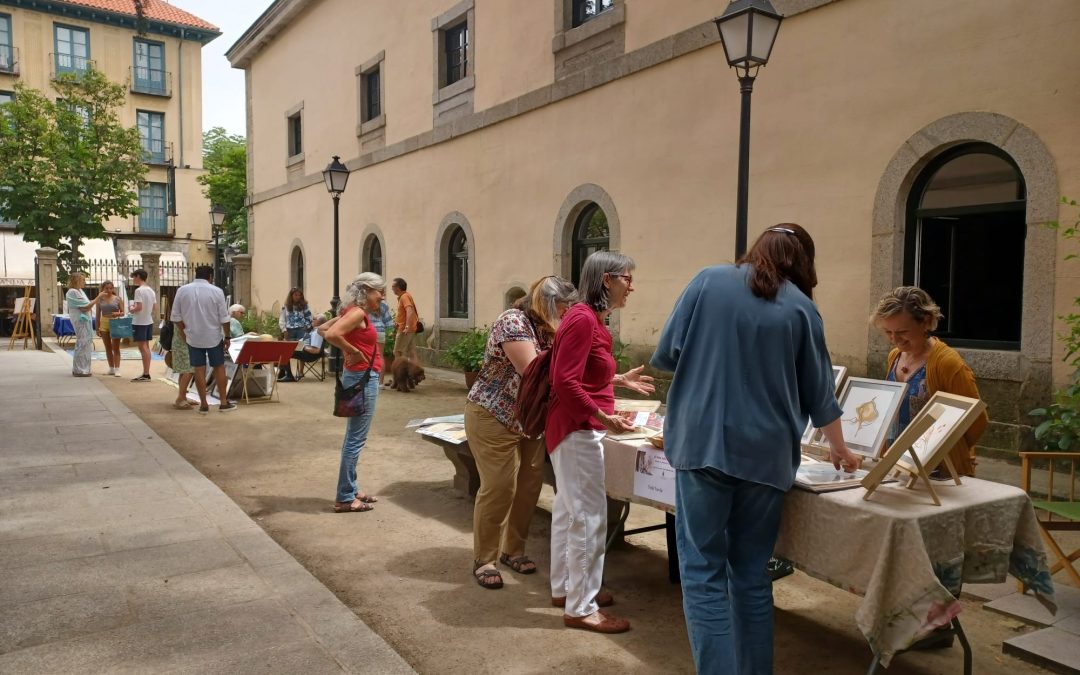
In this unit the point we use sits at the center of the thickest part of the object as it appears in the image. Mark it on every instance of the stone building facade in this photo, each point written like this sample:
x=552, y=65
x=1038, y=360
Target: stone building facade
x=494, y=142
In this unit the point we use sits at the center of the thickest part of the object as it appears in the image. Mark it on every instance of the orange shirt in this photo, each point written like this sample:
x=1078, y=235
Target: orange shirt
x=405, y=300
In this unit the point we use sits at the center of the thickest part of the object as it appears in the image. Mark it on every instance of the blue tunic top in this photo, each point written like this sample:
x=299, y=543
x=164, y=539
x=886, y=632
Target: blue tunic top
x=747, y=374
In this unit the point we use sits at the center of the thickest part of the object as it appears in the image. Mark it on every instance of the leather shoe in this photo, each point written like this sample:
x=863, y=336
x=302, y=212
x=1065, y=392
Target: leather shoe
x=603, y=599
x=608, y=624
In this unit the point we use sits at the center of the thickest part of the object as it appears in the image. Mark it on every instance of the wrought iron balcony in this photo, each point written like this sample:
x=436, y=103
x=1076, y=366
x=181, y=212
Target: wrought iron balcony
x=158, y=153
x=150, y=81
x=9, y=60
x=154, y=222
x=69, y=63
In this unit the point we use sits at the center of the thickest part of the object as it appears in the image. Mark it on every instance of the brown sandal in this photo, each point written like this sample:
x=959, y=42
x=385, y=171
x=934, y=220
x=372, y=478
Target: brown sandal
x=518, y=563
x=609, y=624
x=355, y=506
x=483, y=575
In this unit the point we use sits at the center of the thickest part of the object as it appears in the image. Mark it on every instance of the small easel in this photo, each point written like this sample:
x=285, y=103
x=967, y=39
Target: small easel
x=24, y=320
x=905, y=444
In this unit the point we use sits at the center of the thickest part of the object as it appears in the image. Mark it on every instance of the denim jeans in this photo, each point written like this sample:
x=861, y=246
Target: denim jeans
x=725, y=530
x=356, y=431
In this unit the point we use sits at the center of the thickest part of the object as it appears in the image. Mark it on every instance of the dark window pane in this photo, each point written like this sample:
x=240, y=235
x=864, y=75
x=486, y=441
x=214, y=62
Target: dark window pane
x=583, y=10
x=375, y=257
x=458, y=275
x=374, y=104
x=591, y=234
x=296, y=136
x=456, y=46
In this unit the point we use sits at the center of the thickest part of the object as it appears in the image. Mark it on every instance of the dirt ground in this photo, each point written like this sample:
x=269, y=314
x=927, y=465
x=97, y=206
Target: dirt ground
x=404, y=567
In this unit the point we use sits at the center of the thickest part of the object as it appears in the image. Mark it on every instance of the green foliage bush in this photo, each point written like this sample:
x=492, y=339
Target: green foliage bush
x=261, y=322
x=467, y=352
x=1060, y=426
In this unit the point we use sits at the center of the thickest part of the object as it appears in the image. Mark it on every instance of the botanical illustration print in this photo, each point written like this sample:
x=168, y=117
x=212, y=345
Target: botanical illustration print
x=931, y=439
x=863, y=413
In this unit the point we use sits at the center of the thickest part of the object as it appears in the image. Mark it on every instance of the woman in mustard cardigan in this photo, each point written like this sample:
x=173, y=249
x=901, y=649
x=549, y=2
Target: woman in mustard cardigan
x=907, y=315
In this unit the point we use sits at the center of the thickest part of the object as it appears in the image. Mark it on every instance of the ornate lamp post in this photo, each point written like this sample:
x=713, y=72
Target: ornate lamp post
x=217, y=219
x=336, y=176
x=748, y=29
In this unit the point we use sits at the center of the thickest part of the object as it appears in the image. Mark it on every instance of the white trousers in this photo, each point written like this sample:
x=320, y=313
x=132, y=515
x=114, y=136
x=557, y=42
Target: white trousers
x=578, y=521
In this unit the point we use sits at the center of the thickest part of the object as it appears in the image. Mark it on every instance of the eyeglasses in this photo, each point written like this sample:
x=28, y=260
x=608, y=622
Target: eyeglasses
x=628, y=278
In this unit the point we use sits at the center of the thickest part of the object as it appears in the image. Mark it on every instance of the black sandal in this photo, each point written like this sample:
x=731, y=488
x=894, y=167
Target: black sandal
x=518, y=563
x=481, y=575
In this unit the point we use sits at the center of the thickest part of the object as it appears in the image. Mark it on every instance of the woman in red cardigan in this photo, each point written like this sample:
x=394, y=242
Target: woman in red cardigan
x=582, y=408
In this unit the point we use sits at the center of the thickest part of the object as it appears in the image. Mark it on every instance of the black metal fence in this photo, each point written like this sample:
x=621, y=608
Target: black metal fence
x=171, y=275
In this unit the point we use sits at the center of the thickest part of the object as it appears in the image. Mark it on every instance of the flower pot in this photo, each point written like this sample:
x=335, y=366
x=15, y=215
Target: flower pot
x=470, y=378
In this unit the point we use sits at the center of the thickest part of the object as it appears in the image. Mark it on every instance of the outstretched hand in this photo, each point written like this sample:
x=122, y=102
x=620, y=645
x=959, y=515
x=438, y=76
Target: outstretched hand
x=635, y=381
x=843, y=458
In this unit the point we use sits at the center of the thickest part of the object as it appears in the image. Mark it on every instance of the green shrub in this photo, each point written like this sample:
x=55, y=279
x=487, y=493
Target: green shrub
x=1059, y=429
x=261, y=322
x=467, y=352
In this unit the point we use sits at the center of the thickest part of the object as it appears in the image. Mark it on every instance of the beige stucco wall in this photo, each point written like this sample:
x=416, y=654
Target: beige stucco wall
x=111, y=49
x=830, y=111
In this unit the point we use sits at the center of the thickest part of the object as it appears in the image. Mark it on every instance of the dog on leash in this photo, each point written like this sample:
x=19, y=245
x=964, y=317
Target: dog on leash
x=407, y=374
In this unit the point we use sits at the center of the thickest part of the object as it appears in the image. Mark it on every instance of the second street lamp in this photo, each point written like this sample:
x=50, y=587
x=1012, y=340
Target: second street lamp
x=336, y=176
x=217, y=219
x=748, y=30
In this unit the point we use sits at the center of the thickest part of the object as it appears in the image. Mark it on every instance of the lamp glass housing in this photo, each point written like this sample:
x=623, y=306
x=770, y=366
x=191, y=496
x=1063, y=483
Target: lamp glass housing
x=336, y=176
x=217, y=216
x=748, y=31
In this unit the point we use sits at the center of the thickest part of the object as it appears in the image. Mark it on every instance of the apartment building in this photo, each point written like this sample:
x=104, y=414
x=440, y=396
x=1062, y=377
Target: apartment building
x=160, y=61
x=492, y=142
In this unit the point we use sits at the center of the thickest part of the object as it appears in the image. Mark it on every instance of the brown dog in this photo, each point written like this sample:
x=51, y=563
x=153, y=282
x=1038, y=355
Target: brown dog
x=407, y=374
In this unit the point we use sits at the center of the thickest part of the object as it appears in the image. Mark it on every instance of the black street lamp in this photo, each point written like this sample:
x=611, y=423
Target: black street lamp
x=336, y=176
x=748, y=29
x=217, y=219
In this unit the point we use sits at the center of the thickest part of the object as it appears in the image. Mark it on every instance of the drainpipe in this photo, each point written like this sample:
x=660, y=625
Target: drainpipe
x=180, y=89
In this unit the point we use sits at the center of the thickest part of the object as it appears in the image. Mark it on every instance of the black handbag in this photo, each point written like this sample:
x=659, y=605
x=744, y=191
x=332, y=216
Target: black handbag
x=351, y=402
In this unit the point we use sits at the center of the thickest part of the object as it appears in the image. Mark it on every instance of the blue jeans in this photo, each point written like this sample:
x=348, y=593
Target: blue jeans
x=356, y=431
x=725, y=529
x=296, y=333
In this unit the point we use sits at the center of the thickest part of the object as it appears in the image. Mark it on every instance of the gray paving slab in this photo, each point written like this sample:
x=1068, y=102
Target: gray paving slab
x=118, y=556
x=1070, y=624
x=1027, y=608
x=1050, y=647
x=990, y=592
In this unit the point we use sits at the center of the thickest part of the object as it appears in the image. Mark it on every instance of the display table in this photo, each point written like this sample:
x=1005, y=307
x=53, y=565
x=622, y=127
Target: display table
x=63, y=328
x=905, y=556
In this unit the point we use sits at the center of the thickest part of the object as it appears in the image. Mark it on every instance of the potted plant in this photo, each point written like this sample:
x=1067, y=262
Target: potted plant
x=467, y=353
x=388, y=348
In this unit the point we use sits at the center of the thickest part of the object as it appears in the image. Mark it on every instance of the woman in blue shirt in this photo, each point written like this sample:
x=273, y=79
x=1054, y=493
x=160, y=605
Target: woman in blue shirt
x=747, y=348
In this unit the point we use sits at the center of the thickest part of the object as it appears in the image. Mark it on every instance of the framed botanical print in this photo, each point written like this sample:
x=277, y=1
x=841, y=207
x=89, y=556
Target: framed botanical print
x=869, y=409
x=838, y=378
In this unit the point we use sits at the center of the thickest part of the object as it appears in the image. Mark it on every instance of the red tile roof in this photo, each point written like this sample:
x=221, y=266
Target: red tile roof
x=156, y=10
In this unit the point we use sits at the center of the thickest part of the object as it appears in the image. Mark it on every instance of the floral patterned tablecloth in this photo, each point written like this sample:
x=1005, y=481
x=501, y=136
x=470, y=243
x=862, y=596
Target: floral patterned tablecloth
x=908, y=558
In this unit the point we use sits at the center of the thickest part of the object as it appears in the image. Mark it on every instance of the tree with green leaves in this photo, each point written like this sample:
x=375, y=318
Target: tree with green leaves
x=225, y=181
x=68, y=166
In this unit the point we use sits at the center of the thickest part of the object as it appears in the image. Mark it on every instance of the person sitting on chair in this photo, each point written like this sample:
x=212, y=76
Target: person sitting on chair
x=310, y=350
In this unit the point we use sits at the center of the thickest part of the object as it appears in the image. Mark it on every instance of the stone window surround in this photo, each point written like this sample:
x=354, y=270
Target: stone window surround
x=597, y=40
x=457, y=98
x=1033, y=361
x=566, y=222
x=366, y=126
x=295, y=246
x=373, y=230
x=450, y=221
x=295, y=111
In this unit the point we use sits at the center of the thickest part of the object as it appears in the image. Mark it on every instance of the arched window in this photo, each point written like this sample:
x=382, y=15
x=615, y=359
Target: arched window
x=297, y=267
x=373, y=257
x=590, y=235
x=457, y=272
x=513, y=295
x=965, y=244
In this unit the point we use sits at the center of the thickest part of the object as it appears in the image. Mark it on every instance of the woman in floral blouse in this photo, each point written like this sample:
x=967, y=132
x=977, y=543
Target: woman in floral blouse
x=295, y=319
x=510, y=465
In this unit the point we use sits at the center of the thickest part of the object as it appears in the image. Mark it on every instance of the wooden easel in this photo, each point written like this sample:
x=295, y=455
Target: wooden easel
x=24, y=322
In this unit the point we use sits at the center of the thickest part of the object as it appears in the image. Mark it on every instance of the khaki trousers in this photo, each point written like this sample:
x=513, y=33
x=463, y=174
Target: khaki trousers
x=511, y=469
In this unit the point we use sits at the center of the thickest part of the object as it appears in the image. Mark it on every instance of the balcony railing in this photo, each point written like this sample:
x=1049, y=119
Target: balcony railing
x=9, y=60
x=154, y=222
x=159, y=153
x=150, y=81
x=69, y=63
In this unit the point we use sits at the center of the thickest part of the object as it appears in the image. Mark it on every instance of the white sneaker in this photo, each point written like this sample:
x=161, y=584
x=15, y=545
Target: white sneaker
x=112, y=371
x=117, y=373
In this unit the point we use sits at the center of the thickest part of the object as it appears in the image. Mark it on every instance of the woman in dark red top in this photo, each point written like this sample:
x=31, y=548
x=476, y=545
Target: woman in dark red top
x=582, y=408
x=355, y=335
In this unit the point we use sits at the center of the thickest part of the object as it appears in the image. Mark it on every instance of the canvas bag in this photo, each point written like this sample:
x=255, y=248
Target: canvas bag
x=351, y=402
x=120, y=328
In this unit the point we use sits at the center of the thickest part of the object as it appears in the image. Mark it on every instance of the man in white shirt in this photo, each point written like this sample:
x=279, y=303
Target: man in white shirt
x=143, y=310
x=200, y=310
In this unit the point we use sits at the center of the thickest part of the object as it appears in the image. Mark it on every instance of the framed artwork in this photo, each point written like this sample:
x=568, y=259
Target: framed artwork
x=838, y=378
x=869, y=409
x=926, y=442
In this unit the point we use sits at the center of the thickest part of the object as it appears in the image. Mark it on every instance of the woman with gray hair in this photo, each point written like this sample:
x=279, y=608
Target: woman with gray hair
x=582, y=408
x=354, y=333
x=510, y=464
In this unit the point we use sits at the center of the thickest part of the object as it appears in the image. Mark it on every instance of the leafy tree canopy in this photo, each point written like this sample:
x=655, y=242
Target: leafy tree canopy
x=225, y=181
x=69, y=165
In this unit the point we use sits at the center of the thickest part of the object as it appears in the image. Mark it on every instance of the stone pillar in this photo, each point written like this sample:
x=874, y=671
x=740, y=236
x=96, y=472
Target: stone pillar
x=242, y=279
x=151, y=262
x=48, y=289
